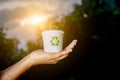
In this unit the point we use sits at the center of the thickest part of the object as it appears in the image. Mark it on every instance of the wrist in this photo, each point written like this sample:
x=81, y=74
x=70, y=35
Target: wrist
x=29, y=60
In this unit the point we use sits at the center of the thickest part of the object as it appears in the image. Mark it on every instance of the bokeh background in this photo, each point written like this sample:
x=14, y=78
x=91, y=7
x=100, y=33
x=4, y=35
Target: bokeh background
x=94, y=23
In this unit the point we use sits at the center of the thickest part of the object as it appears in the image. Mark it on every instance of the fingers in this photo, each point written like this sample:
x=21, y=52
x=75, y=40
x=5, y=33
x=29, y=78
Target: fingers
x=67, y=50
x=71, y=45
x=62, y=57
x=57, y=59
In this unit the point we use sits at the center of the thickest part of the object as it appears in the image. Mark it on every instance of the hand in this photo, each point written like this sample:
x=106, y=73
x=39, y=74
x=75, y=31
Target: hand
x=41, y=57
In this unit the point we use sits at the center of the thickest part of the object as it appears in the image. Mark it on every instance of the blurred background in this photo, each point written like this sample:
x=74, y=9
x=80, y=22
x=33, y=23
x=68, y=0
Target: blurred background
x=94, y=23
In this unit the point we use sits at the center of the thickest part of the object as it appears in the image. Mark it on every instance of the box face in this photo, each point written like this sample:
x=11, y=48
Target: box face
x=52, y=40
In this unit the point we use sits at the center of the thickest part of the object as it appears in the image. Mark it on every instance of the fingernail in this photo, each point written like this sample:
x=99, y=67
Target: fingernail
x=70, y=50
x=75, y=40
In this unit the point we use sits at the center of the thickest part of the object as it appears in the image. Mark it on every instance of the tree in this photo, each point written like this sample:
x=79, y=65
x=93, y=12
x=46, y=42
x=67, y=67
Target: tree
x=6, y=50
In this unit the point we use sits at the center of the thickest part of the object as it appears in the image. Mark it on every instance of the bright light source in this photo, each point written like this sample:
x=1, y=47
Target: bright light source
x=35, y=20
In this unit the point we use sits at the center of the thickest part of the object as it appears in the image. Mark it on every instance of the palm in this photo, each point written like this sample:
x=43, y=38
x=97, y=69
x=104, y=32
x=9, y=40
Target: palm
x=41, y=57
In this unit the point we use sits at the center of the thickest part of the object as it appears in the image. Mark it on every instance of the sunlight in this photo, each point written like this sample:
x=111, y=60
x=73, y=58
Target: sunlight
x=35, y=20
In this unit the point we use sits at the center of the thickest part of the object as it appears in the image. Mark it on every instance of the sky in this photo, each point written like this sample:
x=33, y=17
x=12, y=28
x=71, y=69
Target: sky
x=13, y=12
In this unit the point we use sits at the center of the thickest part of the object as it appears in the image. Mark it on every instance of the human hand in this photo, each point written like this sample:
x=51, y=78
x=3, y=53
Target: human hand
x=41, y=57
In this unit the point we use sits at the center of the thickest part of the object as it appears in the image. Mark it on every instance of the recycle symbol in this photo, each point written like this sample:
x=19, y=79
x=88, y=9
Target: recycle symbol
x=55, y=41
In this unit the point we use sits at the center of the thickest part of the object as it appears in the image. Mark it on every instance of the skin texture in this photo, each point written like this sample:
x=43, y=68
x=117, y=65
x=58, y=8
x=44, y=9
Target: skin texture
x=33, y=59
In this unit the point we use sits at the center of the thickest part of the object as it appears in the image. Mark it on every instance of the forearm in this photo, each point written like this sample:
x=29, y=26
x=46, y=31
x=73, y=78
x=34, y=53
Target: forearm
x=17, y=69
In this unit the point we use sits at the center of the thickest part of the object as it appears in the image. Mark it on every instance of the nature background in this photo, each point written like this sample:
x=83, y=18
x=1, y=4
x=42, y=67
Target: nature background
x=93, y=23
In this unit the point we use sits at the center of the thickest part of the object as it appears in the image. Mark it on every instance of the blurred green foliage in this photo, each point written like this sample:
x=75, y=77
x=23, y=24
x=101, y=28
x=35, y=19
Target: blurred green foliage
x=6, y=49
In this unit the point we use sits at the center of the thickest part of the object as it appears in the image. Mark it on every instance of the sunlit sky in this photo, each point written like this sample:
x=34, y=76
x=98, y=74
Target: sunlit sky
x=17, y=16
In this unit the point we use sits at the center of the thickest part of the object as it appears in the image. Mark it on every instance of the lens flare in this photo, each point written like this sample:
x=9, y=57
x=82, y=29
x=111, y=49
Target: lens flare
x=35, y=20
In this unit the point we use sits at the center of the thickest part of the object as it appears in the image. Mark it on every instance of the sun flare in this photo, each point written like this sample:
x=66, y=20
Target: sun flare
x=34, y=20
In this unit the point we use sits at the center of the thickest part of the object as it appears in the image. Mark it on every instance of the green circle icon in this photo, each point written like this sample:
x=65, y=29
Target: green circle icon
x=55, y=41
